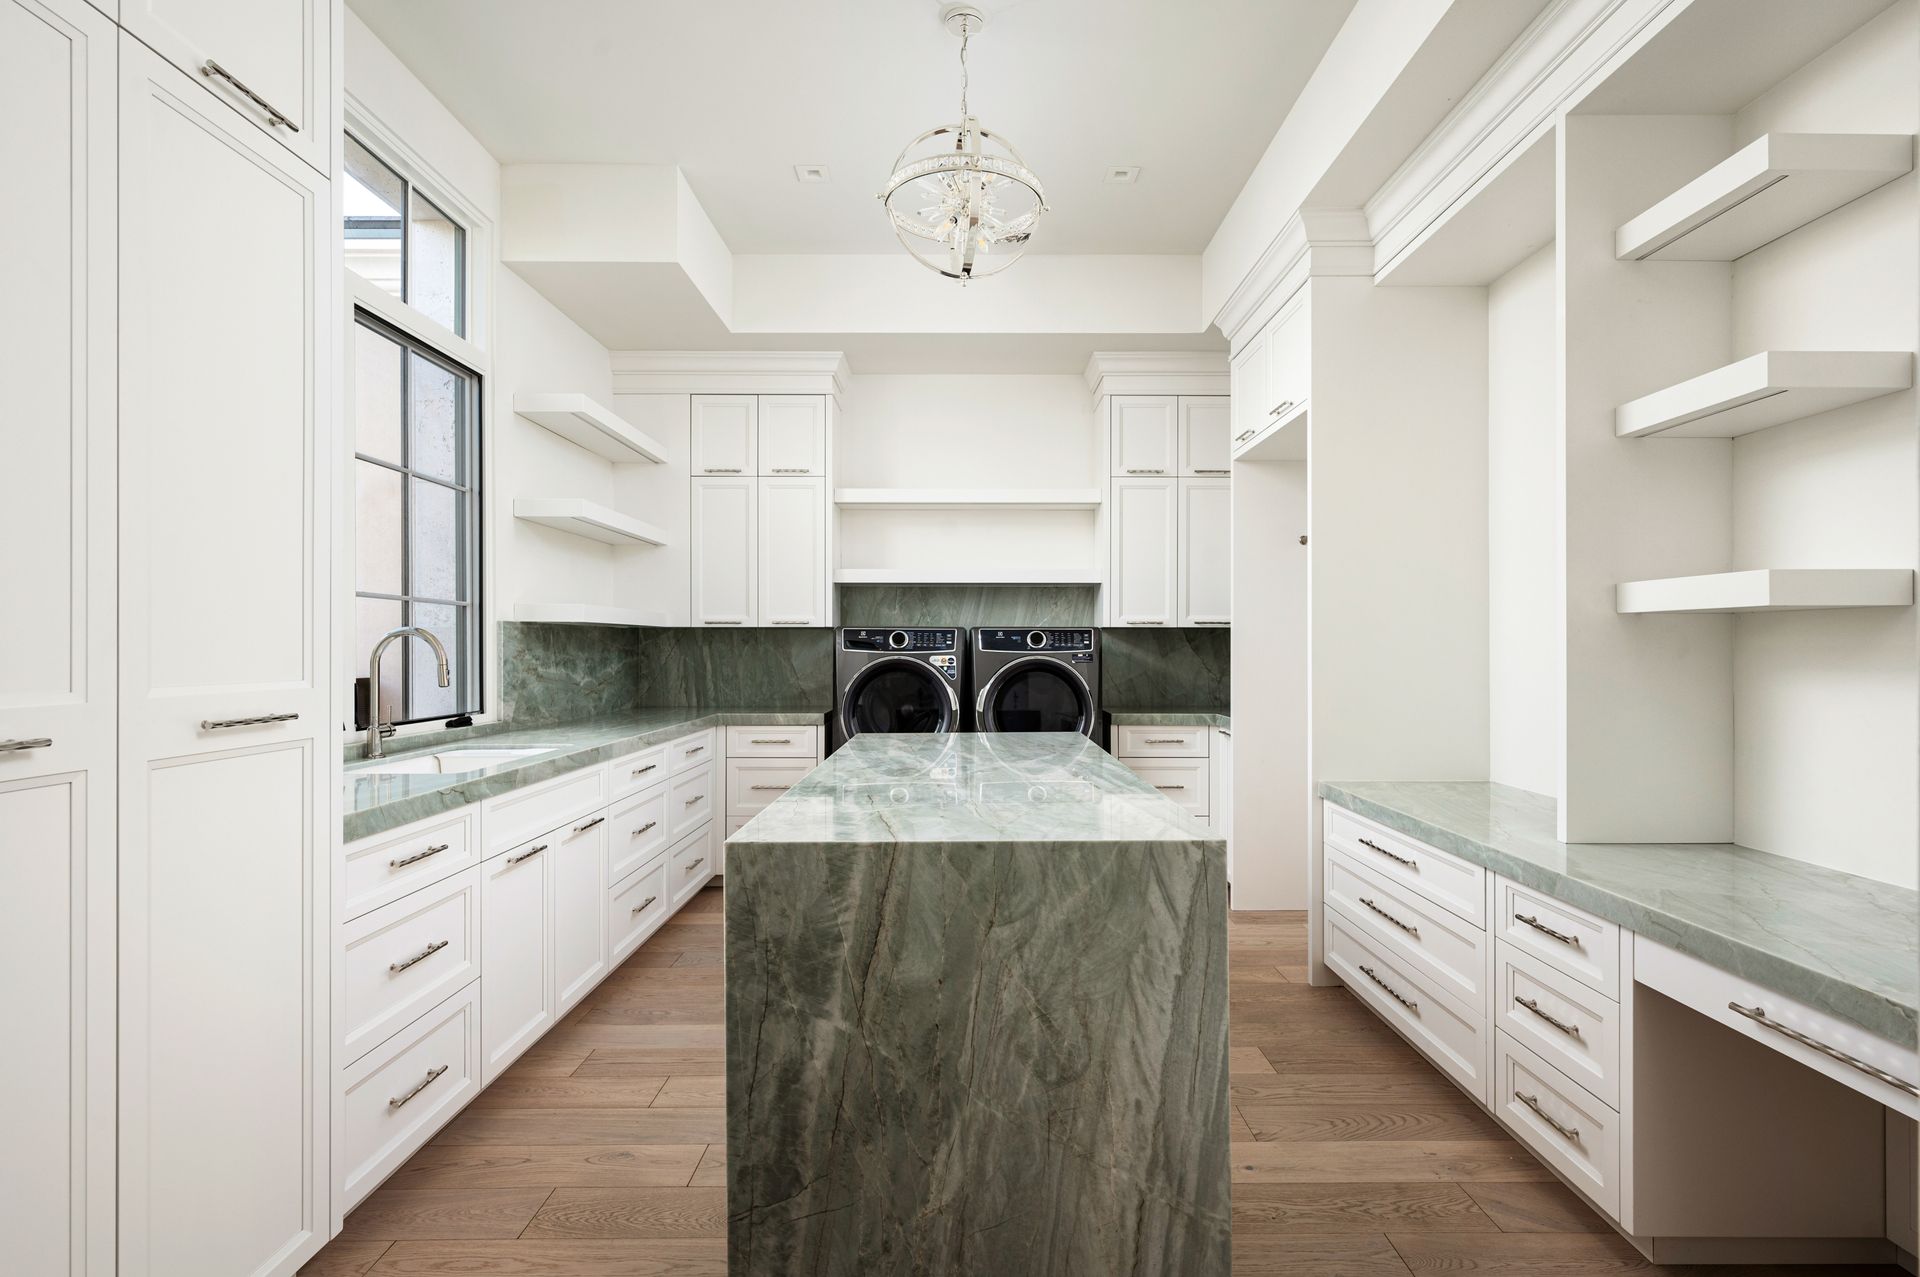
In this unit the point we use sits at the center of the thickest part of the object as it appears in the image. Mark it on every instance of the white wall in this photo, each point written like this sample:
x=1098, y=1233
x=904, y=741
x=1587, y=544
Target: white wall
x=1827, y=704
x=1523, y=521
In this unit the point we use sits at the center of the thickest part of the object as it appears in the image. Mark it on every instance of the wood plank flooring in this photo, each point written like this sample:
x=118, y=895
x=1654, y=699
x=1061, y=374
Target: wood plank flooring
x=601, y=1153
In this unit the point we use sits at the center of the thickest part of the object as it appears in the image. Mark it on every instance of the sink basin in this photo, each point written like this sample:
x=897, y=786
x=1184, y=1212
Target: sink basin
x=449, y=762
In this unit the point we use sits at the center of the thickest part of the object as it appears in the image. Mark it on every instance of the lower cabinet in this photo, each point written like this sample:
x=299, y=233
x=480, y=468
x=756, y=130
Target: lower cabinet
x=395, y=1098
x=577, y=931
x=1176, y=761
x=517, y=1006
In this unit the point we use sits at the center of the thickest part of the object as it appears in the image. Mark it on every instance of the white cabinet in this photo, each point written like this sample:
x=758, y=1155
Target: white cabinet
x=1220, y=801
x=1146, y=430
x=725, y=516
x=516, y=978
x=227, y=746
x=579, y=933
x=792, y=568
x=793, y=435
x=1206, y=441
x=726, y=429
x=1248, y=378
x=269, y=60
x=1144, y=531
x=1272, y=384
x=1206, y=552
x=1288, y=366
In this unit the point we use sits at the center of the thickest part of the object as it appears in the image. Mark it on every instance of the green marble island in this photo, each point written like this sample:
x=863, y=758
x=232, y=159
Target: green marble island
x=976, y=1019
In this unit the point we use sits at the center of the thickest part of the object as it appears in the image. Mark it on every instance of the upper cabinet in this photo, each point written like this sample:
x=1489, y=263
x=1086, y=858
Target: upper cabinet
x=793, y=435
x=725, y=522
x=726, y=429
x=1144, y=576
x=792, y=568
x=1272, y=383
x=1146, y=431
x=271, y=60
x=1205, y=436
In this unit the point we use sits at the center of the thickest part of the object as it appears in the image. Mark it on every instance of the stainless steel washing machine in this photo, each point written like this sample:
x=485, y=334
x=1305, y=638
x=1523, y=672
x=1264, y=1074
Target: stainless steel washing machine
x=1037, y=680
x=899, y=680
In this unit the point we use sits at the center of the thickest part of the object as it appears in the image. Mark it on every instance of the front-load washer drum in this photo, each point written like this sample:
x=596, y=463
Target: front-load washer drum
x=898, y=696
x=1037, y=695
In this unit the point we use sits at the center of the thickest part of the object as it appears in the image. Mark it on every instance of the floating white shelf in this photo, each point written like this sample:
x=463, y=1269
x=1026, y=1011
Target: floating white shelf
x=992, y=576
x=1767, y=389
x=1769, y=590
x=585, y=614
x=1775, y=184
x=586, y=424
x=587, y=519
x=967, y=499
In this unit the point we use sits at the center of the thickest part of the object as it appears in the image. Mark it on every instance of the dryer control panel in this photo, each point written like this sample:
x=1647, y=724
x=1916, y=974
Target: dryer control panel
x=916, y=642
x=1040, y=640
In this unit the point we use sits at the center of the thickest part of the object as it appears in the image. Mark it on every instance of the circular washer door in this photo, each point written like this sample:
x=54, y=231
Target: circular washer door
x=898, y=696
x=1038, y=694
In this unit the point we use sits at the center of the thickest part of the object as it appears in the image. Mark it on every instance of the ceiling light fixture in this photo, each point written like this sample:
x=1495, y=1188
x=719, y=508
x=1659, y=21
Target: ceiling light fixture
x=960, y=198
x=809, y=172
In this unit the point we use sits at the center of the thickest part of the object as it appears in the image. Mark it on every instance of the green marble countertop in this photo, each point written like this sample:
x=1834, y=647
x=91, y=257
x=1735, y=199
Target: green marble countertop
x=1842, y=943
x=1169, y=718
x=970, y=788
x=376, y=802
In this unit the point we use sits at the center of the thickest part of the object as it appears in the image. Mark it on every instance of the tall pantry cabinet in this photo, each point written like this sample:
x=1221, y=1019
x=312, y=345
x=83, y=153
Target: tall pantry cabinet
x=164, y=859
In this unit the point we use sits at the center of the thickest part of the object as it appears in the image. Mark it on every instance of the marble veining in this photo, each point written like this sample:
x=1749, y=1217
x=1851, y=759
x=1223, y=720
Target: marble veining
x=1835, y=941
x=376, y=801
x=1170, y=718
x=969, y=605
x=564, y=673
x=976, y=1019
x=1159, y=668
x=776, y=668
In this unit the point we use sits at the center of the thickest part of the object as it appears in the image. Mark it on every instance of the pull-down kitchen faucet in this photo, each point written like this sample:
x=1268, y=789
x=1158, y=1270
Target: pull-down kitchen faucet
x=375, y=736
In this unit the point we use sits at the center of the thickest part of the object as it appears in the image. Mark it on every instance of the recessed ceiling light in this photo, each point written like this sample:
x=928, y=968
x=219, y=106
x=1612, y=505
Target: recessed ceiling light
x=1124, y=173
x=810, y=173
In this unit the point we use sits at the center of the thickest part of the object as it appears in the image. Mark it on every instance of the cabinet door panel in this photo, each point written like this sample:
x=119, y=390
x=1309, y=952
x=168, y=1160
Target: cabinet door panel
x=793, y=551
x=1248, y=380
x=1145, y=531
x=579, y=911
x=725, y=432
x=1145, y=434
x=724, y=524
x=1205, y=435
x=1206, y=552
x=793, y=434
x=516, y=975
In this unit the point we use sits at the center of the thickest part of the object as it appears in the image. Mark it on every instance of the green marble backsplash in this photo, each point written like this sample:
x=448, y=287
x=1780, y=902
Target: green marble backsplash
x=561, y=673
x=968, y=605
x=1166, y=669
x=762, y=668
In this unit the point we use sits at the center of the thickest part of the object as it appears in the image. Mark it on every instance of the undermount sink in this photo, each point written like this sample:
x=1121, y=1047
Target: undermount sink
x=450, y=762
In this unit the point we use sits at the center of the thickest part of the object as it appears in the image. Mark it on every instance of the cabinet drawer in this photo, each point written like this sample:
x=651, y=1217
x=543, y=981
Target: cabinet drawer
x=754, y=783
x=635, y=907
x=1446, y=880
x=690, y=751
x=399, y=960
x=1132, y=741
x=511, y=819
x=1569, y=1025
x=635, y=772
x=395, y=1098
x=773, y=742
x=1452, y=1036
x=691, y=865
x=1447, y=951
x=636, y=831
x=1182, y=779
x=1566, y=1127
x=1566, y=939
x=379, y=870
x=689, y=800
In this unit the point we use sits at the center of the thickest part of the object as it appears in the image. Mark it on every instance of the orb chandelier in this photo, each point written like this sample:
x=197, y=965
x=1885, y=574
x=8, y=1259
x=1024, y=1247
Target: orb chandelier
x=960, y=198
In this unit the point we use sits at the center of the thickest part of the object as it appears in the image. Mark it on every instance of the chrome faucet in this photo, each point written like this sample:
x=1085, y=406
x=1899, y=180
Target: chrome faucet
x=376, y=734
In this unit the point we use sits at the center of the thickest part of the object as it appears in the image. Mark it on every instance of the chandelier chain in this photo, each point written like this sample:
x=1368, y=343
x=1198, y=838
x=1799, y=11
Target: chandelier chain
x=966, y=33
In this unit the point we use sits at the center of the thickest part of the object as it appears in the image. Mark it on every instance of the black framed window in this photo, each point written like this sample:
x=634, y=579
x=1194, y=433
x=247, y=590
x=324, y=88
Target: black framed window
x=400, y=241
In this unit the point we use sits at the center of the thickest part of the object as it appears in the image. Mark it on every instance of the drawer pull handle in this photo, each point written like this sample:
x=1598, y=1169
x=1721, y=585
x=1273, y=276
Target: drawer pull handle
x=1198, y=470
x=1243, y=436
x=433, y=1075
x=641, y=771
x=1571, y=1134
x=772, y=786
x=793, y=622
x=697, y=749
x=1412, y=931
x=1160, y=470
x=528, y=854
x=274, y=115
x=404, y=861
x=696, y=864
x=1571, y=1030
x=597, y=820
x=1391, y=991
x=1169, y=786
x=221, y=724
x=1397, y=859
x=1759, y=1016
x=1166, y=740
x=793, y=469
x=644, y=903
x=1545, y=930
x=397, y=967
x=643, y=829
x=696, y=798
x=1281, y=407
x=784, y=740
x=720, y=470
x=15, y=746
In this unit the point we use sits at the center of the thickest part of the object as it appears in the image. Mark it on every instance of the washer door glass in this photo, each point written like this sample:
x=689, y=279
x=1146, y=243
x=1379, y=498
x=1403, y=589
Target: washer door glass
x=1038, y=697
x=902, y=696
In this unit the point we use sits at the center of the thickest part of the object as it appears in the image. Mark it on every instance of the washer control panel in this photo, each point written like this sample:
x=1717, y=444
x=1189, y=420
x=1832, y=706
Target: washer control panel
x=1039, y=640
x=912, y=642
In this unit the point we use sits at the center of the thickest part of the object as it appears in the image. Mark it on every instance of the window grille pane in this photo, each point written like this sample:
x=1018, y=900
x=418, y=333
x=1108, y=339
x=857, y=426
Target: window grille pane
x=373, y=618
x=437, y=541
x=436, y=264
x=377, y=397
x=436, y=411
x=373, y=207
x=427, y=699
x=377, y=522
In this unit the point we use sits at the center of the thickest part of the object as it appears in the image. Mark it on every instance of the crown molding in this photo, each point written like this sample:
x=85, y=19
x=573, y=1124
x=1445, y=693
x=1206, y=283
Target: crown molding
x=1151, y=372
x=1314, y=241
x=764, y=372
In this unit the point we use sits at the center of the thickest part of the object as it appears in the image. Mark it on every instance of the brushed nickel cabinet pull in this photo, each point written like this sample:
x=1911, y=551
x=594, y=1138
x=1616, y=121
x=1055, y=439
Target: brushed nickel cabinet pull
x=1571, y=1030
x=1410, y=930
x=793, y=469
x=219, y=724
x=723, y=622
x=528, y=854
x=1198, y=470
x=644, y=903
x=1759, y=1016
x=793, y=622
x=771, y=787
x=1146, y=622
x=597, y=820
x=1391, y=991
x=1545, y=930
x=784, y=740
x=1160, y=470
x=1402, y=860
x=404, y=861
x=643, y=829
x=397, y=967
x=1166, y=740
x=1281, y=407
x=15, y=746
x=641, y=771
x=1244, y=435
x=1206, y=622
x=697, y=749
x=1169, y=786
x=1569, y=1133
x=433, y=1075
x=696, y=864
x=274, y=114
x=720, y=470
x=691, y=801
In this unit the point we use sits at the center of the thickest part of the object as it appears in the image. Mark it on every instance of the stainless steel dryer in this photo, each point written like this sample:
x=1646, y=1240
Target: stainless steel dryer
x=1037, y=680
x=899, y=680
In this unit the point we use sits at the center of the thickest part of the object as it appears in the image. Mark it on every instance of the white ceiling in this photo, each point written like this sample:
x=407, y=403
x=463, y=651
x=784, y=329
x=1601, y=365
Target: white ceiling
x=736, y=92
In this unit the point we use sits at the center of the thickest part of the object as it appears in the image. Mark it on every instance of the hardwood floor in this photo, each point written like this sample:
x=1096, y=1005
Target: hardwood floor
x=601, y=1153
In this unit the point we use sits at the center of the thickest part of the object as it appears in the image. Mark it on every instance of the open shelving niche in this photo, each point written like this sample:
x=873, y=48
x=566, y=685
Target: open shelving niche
x=589, y=519
x=1763, y=390
x=1768, y=590
x=587, y=424
x=586, y=614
